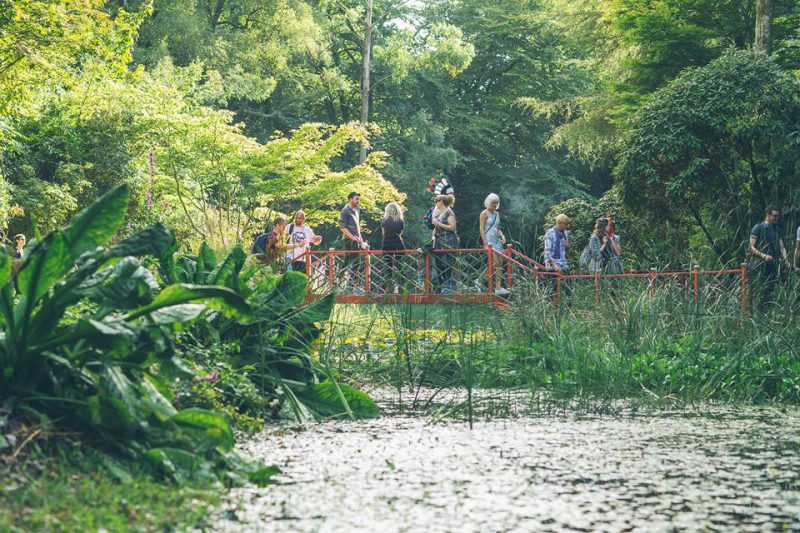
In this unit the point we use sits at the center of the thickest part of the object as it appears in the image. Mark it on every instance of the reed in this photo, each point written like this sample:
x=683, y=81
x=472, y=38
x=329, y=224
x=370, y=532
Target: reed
x=631, y=345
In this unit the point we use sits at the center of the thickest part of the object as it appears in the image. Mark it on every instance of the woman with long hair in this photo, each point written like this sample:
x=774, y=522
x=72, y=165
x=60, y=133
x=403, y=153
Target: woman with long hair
x=445, y=238
x=392, y=227
x=605, y=250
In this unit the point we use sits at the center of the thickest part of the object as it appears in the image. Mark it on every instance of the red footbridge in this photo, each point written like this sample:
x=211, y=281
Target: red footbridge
x=465, y=275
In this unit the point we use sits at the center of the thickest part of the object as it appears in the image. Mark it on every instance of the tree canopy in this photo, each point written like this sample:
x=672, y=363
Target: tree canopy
x=220, y=113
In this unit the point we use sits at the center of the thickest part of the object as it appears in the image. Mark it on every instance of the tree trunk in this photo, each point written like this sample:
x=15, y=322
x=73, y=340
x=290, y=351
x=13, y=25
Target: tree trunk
x=365, y=87
x=764, y=12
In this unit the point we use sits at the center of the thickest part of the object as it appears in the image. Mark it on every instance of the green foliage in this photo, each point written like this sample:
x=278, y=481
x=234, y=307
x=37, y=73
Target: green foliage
x=82, y=339
x=209, y=181
x=68, y=487
x=714, y=148
x=330, y=399
x=275, y=348
x=634, y=47
x=42, y=42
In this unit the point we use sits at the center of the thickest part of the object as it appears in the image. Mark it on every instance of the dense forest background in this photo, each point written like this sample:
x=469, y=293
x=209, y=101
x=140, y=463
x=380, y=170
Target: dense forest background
x=680, y=117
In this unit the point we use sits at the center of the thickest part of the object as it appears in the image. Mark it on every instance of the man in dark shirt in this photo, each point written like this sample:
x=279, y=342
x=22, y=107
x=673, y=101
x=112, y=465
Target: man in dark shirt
x=765, y=244
x=350, y=226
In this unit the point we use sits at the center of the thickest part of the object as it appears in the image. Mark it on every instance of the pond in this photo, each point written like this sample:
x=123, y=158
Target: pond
x=693, y=469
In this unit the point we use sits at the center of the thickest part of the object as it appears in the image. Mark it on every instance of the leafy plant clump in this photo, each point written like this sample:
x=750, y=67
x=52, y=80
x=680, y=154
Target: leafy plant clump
x=87, y=344
x=273, y=352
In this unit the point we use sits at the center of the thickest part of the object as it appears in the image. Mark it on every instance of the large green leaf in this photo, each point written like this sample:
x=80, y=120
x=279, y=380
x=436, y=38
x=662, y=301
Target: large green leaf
x=289, y=292
x=326, y=400
x=317, y=311
x=154, y=400
x=5, y=266
x=180, y=464
x=114, y=381
x=227, y=274
x=156, y=240
x=200, y=273
x=185, y=268
x=209, y=261
x=111, y=414
x=125, y=285
x=44, y=267
x=220, y=299
x=212, y=425
x=177, y=313
x=96, y=224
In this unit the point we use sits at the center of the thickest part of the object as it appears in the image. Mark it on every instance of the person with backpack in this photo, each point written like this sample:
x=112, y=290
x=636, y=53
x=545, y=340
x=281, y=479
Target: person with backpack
x=269, y=247
x=765, y=245
x=492, y=237
x=299, y=232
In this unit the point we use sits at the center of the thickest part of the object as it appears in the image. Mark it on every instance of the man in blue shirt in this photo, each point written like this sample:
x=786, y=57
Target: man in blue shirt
x=556, y=242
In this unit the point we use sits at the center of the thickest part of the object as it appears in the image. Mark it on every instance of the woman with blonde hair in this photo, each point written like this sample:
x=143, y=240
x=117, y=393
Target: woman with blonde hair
x=492, y=237
x=392, y=227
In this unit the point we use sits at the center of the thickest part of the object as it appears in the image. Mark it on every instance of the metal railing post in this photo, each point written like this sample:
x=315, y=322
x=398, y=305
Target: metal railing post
x=509, y=266
x=490, y=273
x=744, y=288
x=330, y=268
x=308, y=271
x=652, y=283
x=366, y=270
x=427, y=273
x=696, y=284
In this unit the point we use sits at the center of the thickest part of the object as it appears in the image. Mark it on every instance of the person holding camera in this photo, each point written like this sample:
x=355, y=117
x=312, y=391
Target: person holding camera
x=605, y=250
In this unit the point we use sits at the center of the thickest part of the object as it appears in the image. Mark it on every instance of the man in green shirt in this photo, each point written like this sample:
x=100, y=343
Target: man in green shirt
x=765, y=244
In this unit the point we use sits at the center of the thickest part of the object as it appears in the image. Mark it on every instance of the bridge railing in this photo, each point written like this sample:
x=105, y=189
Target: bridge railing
x=466, y=275
x=418, y=275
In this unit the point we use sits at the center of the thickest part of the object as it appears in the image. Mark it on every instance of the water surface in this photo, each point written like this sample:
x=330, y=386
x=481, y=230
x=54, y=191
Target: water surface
x=710, y=469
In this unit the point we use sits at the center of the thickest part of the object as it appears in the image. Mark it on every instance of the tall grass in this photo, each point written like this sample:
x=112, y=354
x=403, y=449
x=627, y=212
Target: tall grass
x=629, y=344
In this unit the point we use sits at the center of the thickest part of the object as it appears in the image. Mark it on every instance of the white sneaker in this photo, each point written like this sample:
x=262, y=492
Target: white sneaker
x=502, y=291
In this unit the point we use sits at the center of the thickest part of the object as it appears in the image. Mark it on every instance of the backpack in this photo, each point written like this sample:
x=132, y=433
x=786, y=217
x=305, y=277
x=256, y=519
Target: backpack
x=428, y=218
x=260, y=244
x=264, y=254
x=585, y=260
